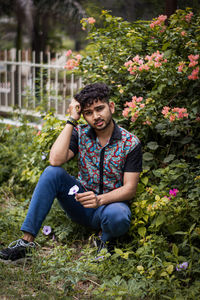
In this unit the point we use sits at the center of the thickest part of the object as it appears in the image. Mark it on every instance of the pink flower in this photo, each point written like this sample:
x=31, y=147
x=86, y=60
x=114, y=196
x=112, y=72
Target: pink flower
x=193, y=63
x=165, y=110
x=69, y=52
x=134, y=98
x=183, y=33
x=78, y=57
x=172, y=118
x=143, y=67
x=128, y=63
x=136, y=58
x=134, y=117
x=173, y=192
x=39, y=132
x=132, y=104
x=193, y=57
x=71, y=64
x=147, y=122
x=159, y=21
x=157, y=65
x=194, y=74
x=163, y=29
x=91, y=20
x=149, y=58
x=139, y=99
x=140, y=68
x=125, y=112
x=162, y=18
x=158, y=56
x=188, y=17
x=181, y=66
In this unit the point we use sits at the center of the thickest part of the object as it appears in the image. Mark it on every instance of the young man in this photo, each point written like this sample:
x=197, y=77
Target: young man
x=109, y=161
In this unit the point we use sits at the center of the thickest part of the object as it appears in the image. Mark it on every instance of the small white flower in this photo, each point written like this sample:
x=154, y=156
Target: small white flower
x=43, y=156
x=74, y=189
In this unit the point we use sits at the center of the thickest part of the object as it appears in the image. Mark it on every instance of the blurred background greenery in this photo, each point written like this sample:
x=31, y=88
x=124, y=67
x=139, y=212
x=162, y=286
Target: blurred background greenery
x=42, y=25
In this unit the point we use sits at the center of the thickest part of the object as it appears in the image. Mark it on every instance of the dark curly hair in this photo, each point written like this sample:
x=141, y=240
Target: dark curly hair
x=92, y=92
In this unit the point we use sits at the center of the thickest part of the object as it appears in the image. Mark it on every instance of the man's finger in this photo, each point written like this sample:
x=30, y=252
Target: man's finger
x=85, y=194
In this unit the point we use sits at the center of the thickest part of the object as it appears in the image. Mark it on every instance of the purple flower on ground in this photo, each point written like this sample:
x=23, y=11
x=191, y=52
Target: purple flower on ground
x=74, y=189
x=173, y=192
x=46, y=230
x=182, y=266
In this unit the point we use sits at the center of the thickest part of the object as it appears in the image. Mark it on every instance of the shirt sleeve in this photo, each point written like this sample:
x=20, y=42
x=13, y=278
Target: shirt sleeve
x=73, y=146
x=134, y=160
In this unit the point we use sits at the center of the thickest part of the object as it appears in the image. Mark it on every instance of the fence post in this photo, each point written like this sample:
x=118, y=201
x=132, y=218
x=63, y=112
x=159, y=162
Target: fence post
x=24, y=72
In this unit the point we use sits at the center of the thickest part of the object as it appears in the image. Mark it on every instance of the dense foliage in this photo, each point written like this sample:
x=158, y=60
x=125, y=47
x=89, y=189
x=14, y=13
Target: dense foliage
x=152, y=69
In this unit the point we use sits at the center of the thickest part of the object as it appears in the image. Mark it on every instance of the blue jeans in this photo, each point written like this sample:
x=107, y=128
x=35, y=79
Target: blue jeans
x=113, y=219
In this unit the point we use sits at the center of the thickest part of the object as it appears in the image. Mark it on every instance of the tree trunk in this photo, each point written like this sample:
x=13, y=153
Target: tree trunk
x=170, y=6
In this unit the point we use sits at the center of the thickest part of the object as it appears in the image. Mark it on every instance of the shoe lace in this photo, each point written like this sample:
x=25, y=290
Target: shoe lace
x=19, y=243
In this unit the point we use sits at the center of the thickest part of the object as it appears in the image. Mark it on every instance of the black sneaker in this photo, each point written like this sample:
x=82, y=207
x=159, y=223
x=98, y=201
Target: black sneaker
x=100, y=246
x=16, y=250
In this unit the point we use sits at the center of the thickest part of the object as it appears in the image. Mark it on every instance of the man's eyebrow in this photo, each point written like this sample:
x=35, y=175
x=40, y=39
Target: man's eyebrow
x=88, y=109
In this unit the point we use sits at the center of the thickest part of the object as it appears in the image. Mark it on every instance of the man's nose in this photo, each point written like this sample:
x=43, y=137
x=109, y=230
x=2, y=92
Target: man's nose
x=95, y=115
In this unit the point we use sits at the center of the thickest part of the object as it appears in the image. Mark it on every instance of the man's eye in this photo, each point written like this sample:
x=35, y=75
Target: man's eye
x=88, y=113
x=100, y=108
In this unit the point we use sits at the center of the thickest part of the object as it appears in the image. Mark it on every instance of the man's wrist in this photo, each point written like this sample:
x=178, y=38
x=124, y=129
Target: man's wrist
x=72, y=121
x=98, y=201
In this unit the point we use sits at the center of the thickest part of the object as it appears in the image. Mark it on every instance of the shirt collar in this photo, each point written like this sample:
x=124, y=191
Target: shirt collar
x=116, y=135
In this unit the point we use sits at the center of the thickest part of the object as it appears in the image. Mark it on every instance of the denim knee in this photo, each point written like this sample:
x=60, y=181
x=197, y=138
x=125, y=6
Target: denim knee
x=116, y=219
x=53, y=171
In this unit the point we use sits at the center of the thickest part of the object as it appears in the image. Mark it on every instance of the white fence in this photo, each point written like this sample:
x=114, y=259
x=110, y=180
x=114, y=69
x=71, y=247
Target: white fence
x=34, y=87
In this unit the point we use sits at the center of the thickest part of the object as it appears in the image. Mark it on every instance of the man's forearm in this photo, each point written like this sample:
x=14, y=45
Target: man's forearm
x=123, y=193
x=59, y=151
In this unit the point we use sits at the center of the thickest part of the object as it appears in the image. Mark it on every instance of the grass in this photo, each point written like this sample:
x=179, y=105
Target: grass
x=32, y=279
x=26, y=282
x=62, y=268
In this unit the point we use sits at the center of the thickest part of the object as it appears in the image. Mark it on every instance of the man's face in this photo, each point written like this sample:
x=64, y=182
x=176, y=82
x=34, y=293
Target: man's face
x=99, y=114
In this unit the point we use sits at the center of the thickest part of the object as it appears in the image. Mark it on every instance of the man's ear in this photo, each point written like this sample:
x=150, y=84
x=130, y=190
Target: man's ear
x=112, y=107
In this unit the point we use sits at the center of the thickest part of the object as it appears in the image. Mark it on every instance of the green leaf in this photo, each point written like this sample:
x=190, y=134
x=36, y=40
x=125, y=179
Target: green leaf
x=160, y=220
x=169, y=158
x=180, y=232
x=186, y=140
x=161, y=87
x=148, y=156
x=119, y=251
x=145, y=180
x=152, y=145
x=163, y=274
x=142, y=231
x=165, y=46
x=175, y=250
x=170, y=269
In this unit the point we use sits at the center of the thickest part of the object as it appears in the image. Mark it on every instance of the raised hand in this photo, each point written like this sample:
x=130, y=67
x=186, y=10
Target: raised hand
x=74, y=110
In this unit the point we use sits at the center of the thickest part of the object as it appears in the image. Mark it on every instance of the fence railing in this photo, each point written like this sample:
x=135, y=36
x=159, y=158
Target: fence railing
x=34, y=87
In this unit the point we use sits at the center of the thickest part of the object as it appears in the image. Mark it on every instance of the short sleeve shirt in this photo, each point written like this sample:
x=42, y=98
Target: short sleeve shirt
x=101, y=169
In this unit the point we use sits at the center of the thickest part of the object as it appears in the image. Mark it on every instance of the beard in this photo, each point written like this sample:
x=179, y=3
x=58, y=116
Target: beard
x=104, y=126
